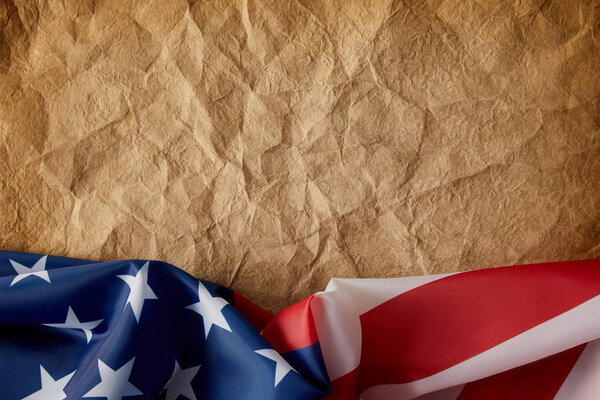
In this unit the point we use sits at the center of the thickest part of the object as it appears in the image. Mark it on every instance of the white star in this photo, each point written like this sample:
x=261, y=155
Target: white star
x=38, y=269
x=140, y=290
x=51, y=389
x=72, y=322
x=282, y=368
x=210, y=309
x=181, y=383
x=114, y=385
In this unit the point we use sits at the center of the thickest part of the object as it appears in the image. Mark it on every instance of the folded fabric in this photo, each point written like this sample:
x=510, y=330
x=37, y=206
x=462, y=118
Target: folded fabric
x=140, y=329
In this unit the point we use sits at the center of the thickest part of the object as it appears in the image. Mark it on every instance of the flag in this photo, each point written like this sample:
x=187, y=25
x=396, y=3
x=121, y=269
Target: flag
x=140, y=329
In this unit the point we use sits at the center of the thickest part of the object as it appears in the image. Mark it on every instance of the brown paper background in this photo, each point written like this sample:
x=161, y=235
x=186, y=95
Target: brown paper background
x=272, y=145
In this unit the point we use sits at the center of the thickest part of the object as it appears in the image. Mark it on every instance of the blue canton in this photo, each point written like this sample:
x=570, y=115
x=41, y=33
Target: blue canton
x=137, y=329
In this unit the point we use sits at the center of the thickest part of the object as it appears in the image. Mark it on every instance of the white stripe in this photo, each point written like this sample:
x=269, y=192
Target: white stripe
x=369, y=293
x=337, y=311
x=338, y=328
x=446, y=394
x=583, y=382
x=572, y=328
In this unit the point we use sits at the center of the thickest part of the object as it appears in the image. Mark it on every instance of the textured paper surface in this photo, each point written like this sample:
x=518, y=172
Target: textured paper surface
x=270, y=146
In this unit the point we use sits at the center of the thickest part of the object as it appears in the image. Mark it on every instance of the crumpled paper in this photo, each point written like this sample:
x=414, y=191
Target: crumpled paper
x=270, y=146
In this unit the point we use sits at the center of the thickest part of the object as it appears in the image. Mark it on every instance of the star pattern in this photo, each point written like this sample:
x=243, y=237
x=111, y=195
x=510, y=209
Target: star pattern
x=210, y=308
x=51, y=389
x=140, y=291
x=114, y=385
x=282, y=368
x=38, y=269
x=181, y=383
x=72, y=322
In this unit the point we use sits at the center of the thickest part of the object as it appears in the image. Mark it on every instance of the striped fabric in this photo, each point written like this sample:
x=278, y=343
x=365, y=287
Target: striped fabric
x=139, y=329
x=520, y=332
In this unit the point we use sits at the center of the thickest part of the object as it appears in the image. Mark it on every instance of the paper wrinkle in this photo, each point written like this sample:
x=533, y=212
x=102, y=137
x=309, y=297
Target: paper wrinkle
x=271, y=146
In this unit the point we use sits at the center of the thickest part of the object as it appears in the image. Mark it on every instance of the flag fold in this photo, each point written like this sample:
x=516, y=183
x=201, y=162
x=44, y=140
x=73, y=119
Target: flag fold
x=139, y=329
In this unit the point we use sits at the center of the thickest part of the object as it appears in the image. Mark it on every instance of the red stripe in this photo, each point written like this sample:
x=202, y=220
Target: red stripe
x=292, y=329
x=344, y=387
x=253, y=313
x=540, y=380
x=442, y=323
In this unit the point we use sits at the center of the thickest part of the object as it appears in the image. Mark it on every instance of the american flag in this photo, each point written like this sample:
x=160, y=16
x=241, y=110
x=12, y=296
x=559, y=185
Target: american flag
x=138, y=329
